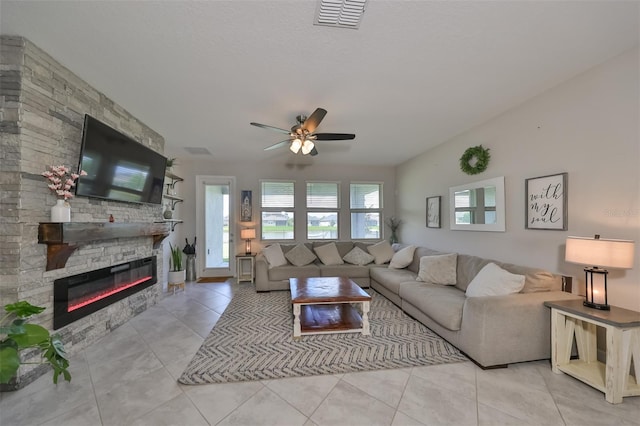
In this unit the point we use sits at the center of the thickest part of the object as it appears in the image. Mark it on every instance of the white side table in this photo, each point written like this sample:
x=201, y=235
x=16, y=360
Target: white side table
x=570, y=318
x=245, y=266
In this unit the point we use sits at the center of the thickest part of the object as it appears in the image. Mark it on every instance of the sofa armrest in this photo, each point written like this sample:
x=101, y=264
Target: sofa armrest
x=262, y=273
x=505, y=329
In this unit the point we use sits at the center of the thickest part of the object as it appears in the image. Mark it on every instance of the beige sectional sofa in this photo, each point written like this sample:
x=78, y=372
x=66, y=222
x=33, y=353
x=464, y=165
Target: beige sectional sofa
x=491, y=330
x=277, y=278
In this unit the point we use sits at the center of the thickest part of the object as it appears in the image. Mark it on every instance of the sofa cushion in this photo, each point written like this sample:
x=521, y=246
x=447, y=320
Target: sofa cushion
x=300, y=255
x=328, y=254
x=283, y=273
x=402, y=258
x=382, y=252
x=440, y=269
x=357, y=256
x=468, y=268
x=418, y=254
x=535, y=280
x=492, y=280
x=443, y=304
x=274, y=255
x=391, y=278
x=350, y=271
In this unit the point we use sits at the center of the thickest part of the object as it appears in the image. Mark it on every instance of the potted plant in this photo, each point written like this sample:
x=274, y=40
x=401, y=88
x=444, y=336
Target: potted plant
x=170, y=163
x=177, y=274
x=17, y=336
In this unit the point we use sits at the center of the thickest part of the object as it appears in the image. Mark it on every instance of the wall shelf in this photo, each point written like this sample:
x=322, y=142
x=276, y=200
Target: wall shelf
x=172, y=198
x=62, y=239
x=173, y=223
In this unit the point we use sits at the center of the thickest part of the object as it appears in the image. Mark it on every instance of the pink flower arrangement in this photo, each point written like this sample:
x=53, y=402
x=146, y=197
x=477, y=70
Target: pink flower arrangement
x=60, y=180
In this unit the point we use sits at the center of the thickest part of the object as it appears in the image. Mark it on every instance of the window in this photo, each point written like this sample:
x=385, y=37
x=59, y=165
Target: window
x=277, y=210
x=323, y=204
x=366, y=210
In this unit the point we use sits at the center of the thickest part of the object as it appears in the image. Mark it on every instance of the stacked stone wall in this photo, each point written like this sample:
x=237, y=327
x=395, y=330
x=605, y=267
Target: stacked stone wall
x=42, y=108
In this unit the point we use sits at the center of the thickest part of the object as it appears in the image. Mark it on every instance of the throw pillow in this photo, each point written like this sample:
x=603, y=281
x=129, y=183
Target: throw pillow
x=328, y=254
x=439, y=269
x=382, y=252
x=402, y=258
x=492, y=280
x=274, y=255
x=357, y=256
x=300, y=255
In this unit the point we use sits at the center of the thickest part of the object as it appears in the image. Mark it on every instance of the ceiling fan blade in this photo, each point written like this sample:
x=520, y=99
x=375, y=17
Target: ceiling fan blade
x=314, y=120
x=334, y=136
x=277, y=145
x=313, y=152
x=277, y=129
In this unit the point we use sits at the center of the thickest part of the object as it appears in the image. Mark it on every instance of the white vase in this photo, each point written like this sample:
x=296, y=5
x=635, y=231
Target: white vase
x=61, y=212
x=177, y=277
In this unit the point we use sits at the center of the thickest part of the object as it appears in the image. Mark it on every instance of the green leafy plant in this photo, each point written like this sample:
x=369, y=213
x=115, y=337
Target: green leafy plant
x=171, y=162
x=16, y=336
x=176, y=258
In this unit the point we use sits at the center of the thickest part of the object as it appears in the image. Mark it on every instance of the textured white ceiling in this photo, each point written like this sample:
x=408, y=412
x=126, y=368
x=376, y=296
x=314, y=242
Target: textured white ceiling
x=415, y=74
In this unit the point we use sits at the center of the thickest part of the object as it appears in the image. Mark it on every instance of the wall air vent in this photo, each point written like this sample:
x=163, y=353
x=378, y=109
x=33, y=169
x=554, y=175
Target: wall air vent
x=340, y=13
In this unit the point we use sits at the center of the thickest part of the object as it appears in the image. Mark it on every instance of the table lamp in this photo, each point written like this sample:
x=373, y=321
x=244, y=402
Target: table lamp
x=603, y=253
x=248, y=234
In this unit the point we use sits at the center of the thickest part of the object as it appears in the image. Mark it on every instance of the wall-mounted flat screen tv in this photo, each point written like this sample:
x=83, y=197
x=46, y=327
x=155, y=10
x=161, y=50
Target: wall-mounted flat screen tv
x=118, y=168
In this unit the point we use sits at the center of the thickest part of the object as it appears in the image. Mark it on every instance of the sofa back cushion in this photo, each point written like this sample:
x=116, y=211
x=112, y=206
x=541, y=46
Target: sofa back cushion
x=382, y=252
x=300, y=255
x=343, y=247
x=536, y=280
x=358, y=256
x=419, y=253
x=438, y=269
x=328, y=254
x=493, y=280
x=274, y=255
x=402, y=258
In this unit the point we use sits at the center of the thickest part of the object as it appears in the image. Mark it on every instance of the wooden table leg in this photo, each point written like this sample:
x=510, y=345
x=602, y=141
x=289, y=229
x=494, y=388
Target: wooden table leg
x=297, y=331
x=365, y=319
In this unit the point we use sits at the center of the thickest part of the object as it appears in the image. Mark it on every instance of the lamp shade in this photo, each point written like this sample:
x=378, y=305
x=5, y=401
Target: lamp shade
x=600, y=252
x=248, y=233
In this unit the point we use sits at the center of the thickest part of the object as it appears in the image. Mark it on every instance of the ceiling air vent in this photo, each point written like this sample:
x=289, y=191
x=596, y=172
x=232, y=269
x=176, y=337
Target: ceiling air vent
x=340, y=13
x=197, y=150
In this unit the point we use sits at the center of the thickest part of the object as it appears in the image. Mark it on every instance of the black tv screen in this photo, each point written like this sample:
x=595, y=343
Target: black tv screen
x=118, y=168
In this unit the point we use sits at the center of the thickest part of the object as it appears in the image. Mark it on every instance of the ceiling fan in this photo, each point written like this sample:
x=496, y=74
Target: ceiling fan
x=302, y=136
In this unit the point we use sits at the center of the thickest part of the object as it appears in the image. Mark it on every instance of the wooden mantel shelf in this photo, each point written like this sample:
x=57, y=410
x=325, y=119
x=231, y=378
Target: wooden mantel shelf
x=62, y=239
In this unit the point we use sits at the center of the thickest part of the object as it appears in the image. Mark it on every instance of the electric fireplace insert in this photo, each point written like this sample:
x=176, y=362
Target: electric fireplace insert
x=79, y=295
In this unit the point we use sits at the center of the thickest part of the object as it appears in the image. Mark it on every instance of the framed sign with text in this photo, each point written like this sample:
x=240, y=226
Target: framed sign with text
x=546, y=202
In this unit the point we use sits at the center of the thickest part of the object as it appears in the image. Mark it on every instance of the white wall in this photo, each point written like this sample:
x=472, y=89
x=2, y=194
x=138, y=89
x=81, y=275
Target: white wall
x=588, y=127
x=248, y=176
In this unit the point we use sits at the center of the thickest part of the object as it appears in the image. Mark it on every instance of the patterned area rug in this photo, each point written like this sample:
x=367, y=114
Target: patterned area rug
x=253, y=340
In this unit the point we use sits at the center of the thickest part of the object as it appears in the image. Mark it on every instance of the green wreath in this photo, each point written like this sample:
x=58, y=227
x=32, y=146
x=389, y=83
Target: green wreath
x=482, y=157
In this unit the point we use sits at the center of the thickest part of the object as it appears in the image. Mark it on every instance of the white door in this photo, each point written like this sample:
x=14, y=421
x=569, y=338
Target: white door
x=214, y=226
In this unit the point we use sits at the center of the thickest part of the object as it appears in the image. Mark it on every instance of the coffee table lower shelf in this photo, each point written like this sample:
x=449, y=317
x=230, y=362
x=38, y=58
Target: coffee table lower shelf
x=329, y=318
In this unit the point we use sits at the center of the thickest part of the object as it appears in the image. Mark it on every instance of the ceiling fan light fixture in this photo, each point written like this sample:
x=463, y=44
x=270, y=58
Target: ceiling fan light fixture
x=296, y=144
x=307, y=147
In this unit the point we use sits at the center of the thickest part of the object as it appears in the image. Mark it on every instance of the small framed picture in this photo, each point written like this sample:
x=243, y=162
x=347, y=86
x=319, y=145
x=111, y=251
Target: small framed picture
x=433, y=212
x=245, y=206
x=546, y=202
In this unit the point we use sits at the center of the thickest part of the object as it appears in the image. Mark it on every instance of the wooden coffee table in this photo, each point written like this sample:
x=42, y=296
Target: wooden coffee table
x=323, y=305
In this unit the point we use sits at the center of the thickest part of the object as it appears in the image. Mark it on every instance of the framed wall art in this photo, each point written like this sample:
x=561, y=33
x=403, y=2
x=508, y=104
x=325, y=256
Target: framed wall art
x=433, y=212
x=246, y=209
x=546, y=202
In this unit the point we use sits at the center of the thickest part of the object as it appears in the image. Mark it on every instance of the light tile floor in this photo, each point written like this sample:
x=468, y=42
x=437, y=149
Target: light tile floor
x=129, y=378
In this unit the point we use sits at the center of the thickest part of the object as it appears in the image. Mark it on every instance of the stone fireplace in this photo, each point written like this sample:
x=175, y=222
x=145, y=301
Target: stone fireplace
x=42, y=106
